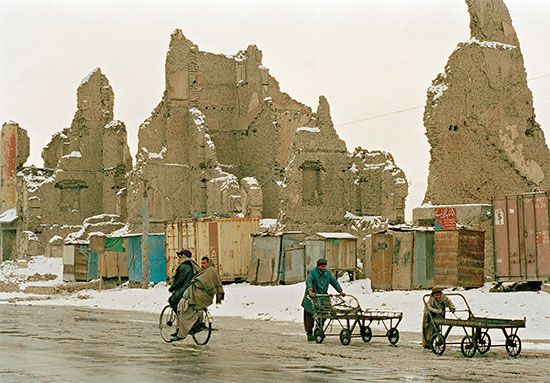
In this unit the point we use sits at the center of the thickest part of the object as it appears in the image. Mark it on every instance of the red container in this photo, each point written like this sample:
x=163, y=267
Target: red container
x=521, y=234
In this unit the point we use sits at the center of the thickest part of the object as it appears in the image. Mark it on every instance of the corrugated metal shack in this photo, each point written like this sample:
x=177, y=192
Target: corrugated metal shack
x=402, y=258
x=521, y=234
x=80, y=263
x=340, y=250
x=459, y=258
x=226, y=241
x=157, y=257
x=268, y=260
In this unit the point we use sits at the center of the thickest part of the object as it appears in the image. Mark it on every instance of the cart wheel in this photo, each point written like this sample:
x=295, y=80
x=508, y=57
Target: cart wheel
x=438, y=343
x=366, y=334
x=319, y=335
x=393, y=335
x=468, y=346
x=484, y=342
x=345, y=337
x=513, y=345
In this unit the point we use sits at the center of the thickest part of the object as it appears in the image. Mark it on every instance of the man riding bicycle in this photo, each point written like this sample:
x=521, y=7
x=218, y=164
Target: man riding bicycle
x=200, y=294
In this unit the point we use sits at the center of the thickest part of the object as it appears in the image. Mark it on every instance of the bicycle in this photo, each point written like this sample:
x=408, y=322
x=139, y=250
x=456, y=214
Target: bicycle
x=200, y=332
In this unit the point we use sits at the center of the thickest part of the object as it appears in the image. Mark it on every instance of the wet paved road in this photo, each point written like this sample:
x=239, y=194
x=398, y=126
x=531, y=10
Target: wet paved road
x=67, y=344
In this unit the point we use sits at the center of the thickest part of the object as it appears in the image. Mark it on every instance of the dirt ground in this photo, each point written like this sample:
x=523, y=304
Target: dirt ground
x=67, y=344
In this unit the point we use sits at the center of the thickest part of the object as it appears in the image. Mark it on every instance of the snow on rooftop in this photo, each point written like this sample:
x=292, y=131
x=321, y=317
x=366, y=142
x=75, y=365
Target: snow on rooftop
x=267, y=223
x=159, y=155
x=55, y=238
x=252, y=182
x=489, y=44
x=198, y=116
x=437, y=91
x=337, y=235
x=309, y=130
x=113, y=124
x=227, y=180
x=73, y=154
x=353, y=168
x=8, y=216
x=87, y=78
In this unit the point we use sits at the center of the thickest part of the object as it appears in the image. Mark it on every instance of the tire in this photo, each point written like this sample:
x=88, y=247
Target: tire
x=319, y=335
x=366, y=334
x=345, y=337
x=438, y=343
x=468, y=346
x=483, y=342
x=168, y=323
x=513, y=345
x=393, y=335
x=202, y=336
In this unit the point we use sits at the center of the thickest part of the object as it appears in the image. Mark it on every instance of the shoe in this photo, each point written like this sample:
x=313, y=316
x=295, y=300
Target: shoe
x=310, y=337
x=175, y=338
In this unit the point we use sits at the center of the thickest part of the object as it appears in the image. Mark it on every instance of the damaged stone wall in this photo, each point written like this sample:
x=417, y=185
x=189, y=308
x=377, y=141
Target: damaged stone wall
x=380, y=187
x=244, y=132
x=85, y=166
x=479, y=117
x=317, y=183
x=327, y=189
x=14, y=152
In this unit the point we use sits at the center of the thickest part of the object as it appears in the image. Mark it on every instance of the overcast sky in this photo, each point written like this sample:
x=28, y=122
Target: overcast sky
x=368, y=57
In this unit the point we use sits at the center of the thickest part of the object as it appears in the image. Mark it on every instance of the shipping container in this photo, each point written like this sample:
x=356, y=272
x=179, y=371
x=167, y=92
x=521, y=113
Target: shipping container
x=459, y=258
x=521, y=234
x=157, y=258
x=293, y=264
x=226, y=241
x=340, y=250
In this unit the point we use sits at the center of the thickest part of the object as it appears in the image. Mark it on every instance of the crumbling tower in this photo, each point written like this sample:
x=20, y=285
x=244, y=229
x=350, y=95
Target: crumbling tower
x=479, y=117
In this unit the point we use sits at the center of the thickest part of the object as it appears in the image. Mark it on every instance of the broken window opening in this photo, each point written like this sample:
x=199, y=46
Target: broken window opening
x=311, y=183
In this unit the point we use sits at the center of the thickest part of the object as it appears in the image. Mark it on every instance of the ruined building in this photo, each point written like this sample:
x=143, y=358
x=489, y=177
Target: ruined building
x=479, y=117
x=85, y=166
x=224, y=140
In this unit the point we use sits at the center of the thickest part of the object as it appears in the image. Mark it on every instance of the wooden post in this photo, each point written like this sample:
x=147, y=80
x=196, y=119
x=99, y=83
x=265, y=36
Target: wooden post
x=145, y=238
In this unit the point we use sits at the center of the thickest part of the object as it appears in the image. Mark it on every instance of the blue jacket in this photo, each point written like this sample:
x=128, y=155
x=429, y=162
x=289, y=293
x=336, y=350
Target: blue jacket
x=319, y=282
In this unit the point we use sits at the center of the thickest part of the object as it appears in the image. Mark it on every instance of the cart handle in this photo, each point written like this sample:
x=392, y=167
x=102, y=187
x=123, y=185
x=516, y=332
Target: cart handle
x=468, y=309
x=334, y=295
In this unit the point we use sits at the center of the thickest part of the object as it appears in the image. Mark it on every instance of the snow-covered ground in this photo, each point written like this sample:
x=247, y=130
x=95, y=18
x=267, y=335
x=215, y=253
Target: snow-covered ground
x=282, y=303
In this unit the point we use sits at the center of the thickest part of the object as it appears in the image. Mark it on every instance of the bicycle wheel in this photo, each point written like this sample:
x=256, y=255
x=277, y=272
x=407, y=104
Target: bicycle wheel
x=202, y=329
x=168, y=323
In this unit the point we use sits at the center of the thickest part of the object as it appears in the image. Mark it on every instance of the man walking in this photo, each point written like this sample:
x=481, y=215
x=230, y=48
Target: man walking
x=317, y=282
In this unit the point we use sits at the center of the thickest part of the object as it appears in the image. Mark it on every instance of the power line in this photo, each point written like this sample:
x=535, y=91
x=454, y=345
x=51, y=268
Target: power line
x=374, y=117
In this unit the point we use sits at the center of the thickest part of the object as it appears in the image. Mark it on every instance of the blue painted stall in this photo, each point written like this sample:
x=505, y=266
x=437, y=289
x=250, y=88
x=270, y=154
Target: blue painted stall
x=157, y=258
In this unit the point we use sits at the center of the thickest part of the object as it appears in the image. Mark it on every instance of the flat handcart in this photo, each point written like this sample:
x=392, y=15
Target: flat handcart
x=476, y=330
x=345, y=313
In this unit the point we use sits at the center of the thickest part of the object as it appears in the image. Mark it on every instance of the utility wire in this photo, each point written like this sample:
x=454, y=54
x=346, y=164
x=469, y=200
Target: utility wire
x=374, y=117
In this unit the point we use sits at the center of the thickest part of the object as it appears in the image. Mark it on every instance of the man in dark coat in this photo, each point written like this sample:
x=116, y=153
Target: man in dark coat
x=185, y=272
x=317, y=282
